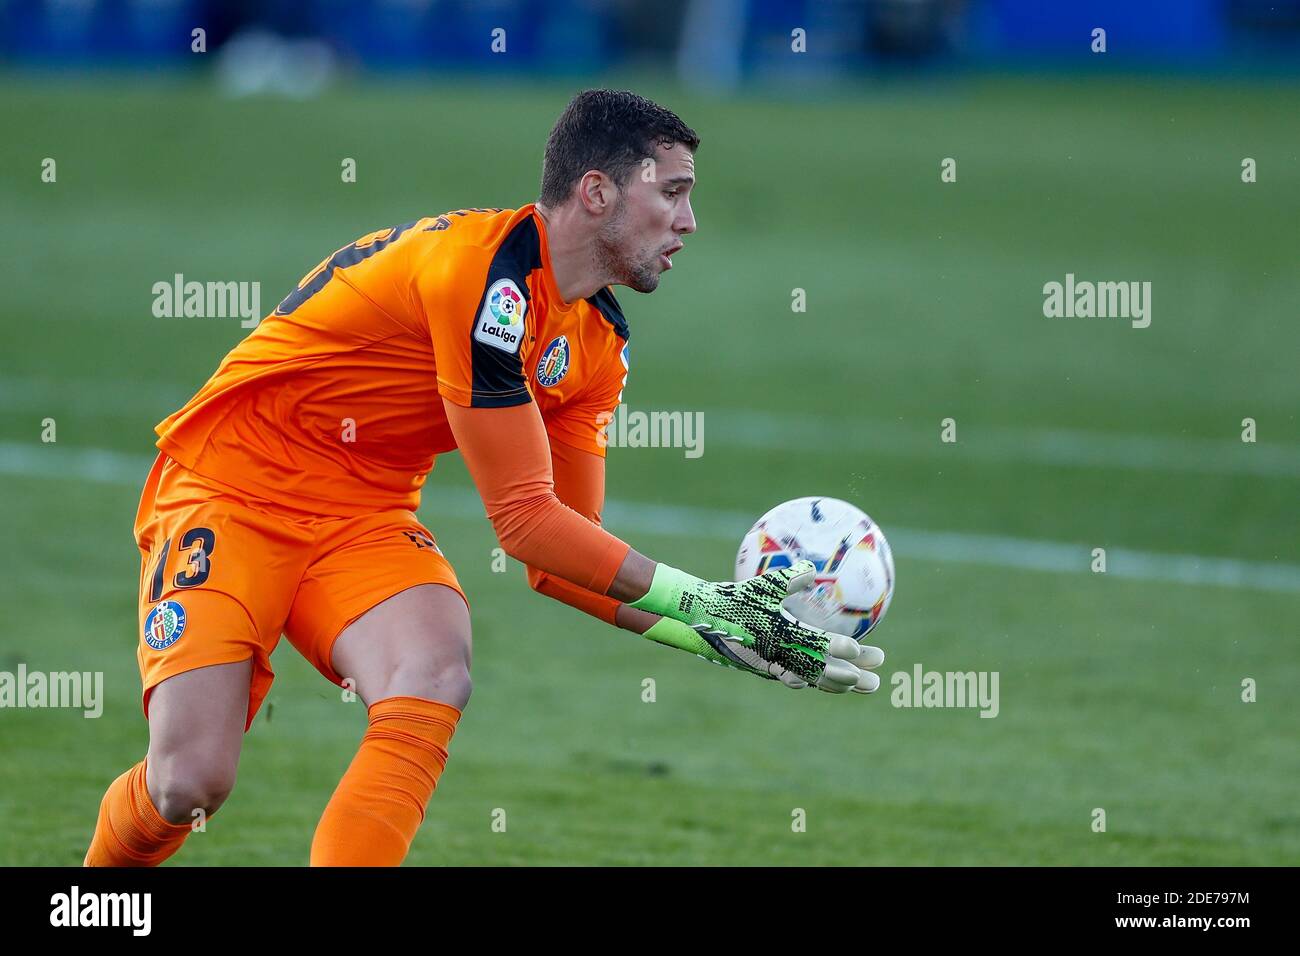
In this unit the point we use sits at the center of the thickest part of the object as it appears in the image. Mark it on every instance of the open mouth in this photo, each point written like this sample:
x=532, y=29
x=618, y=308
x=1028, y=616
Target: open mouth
x=664, y=257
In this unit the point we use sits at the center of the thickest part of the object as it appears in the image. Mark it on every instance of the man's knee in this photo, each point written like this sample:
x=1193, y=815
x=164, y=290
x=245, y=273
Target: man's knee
x=415, y=644
x=446, y=681
x=182, y=786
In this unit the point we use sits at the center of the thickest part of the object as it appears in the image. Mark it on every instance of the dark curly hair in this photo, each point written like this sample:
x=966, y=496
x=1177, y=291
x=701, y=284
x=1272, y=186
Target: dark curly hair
x=608, y=130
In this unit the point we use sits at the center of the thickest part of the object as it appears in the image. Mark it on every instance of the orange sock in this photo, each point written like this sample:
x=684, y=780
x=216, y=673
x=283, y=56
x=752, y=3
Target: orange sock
x=130, y=832
x=379, y=803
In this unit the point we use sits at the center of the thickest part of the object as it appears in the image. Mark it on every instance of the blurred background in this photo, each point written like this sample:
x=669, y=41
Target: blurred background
x=715, y=44
x=145, y=139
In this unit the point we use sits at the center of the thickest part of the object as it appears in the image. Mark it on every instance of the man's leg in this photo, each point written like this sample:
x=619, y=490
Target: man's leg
x=409, y=657
x=196, y=727
x=218, y=572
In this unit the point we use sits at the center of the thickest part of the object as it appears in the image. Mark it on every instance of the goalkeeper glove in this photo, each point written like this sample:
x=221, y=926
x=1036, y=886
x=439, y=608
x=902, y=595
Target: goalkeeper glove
x=743, y=624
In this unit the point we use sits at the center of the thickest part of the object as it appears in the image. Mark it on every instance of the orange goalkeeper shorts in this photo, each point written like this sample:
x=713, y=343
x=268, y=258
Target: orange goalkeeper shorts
x=223, y=574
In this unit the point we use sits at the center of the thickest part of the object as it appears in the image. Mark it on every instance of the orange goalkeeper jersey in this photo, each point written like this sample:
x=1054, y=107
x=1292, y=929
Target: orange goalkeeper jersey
x=333, y=405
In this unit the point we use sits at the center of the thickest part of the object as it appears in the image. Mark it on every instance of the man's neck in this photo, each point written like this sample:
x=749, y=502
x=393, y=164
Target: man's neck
x=576, y=274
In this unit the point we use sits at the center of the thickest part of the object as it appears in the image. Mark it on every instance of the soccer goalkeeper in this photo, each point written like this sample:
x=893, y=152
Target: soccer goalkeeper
x=283, y=496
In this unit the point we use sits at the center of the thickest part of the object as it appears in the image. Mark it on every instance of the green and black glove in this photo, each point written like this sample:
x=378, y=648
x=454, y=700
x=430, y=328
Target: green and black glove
x=742, y=624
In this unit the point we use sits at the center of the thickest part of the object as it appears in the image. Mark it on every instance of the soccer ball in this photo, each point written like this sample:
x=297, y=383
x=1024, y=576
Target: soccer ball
x=855, y=568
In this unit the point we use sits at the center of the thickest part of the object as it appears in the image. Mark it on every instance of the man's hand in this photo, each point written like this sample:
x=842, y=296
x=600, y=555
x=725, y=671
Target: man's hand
x=743, y=624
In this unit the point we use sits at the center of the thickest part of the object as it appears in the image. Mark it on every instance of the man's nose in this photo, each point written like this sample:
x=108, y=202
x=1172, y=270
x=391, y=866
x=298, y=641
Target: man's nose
x=685, y=222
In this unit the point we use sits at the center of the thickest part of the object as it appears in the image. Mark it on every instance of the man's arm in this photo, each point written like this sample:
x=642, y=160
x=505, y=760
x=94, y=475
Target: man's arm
x=580, y=483
x=498, y=428
x=508, y=455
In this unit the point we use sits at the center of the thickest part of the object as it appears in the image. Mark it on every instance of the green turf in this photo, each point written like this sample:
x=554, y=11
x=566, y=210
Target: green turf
x=924, y=302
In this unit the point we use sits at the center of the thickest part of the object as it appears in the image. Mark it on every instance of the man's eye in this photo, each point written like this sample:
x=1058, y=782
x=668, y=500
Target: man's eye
x=671, y=192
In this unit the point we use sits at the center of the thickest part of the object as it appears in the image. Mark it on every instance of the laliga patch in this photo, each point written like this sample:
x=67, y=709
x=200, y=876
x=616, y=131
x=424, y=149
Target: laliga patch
x=501, y=323
x=554, y=364
x=164, y=625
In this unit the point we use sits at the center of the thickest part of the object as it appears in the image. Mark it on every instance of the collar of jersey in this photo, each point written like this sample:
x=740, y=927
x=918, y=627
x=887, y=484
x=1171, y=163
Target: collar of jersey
x=553, y=296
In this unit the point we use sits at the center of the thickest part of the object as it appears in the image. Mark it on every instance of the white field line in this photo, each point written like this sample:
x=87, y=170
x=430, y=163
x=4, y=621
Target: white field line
x=111, y=467
x=998, y=443
x=807, y=435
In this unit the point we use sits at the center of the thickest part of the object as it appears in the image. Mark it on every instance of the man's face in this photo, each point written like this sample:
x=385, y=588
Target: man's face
x=653, y=213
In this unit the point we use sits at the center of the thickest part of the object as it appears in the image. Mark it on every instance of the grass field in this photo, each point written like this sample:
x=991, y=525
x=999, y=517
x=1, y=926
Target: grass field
x=1119, y=690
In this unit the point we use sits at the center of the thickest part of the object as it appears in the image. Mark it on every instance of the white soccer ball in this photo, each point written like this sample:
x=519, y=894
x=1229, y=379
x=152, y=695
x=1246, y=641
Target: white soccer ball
x=855, y=568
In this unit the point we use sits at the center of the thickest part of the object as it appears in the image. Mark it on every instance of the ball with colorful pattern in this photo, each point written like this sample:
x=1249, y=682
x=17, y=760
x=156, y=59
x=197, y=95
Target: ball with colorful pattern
x=855, y=566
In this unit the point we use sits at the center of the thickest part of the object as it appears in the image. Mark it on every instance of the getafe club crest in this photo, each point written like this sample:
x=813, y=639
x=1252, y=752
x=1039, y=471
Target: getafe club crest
x=164, y=625
x=554, y=363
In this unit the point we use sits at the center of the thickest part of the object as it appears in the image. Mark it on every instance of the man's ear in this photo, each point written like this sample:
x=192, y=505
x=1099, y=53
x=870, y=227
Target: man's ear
x=597, y=192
